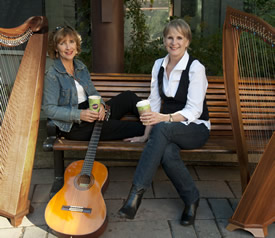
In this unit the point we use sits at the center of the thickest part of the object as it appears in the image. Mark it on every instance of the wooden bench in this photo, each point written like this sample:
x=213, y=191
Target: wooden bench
x=109, y=85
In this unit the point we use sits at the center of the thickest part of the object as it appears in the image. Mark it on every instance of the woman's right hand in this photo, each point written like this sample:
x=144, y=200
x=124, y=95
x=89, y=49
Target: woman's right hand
x=88, y=115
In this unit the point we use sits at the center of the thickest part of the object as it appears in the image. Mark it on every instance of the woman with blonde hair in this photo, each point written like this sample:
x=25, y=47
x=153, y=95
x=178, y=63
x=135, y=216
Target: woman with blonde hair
x=179, y=120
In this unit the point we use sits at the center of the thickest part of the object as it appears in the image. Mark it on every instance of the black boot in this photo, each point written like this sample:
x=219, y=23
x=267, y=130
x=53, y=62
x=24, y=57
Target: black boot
x=189, y=214
x=132, y=203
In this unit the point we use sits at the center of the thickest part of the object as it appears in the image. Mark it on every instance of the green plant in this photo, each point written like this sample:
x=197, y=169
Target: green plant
x=83, y=26
x=264, y=9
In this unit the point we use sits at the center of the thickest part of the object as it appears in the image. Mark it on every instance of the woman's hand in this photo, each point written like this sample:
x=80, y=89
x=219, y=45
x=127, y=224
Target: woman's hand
x=101, y=116
x=88, y=115
x=152, y=118
x=136, y=139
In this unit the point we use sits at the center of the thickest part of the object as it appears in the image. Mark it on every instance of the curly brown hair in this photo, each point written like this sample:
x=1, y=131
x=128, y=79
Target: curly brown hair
x=58, y=35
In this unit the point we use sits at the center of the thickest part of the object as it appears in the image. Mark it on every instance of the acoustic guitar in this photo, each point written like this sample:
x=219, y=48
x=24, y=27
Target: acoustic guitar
x=78, y=209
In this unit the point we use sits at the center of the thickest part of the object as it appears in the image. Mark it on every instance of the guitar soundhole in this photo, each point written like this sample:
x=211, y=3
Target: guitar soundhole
x=84, y=181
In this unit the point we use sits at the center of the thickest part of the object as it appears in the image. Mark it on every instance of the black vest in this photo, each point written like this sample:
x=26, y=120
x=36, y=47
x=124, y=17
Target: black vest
x=170, y=104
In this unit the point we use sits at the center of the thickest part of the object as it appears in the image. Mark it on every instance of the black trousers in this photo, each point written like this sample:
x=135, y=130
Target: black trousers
x=114, y=128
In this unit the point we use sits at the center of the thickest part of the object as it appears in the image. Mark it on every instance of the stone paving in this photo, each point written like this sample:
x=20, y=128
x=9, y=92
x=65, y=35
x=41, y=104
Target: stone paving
x=159, y=213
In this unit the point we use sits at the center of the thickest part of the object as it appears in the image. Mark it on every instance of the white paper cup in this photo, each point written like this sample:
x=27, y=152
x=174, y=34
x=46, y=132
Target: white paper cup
x=143, y=106
x=94, y=102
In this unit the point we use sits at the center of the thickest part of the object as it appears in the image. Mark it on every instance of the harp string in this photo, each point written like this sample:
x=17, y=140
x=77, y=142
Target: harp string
x=11, y=54
x=255, y=59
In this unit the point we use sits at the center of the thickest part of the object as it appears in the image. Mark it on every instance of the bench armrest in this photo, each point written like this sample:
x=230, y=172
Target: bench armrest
x=52, y=134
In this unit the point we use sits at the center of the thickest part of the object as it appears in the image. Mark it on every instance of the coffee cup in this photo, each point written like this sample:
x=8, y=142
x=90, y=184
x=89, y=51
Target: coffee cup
x=143, y=106
x=94, y=102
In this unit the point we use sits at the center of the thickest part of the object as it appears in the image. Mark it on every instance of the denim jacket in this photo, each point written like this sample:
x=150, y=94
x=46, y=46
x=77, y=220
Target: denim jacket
x=60, y=101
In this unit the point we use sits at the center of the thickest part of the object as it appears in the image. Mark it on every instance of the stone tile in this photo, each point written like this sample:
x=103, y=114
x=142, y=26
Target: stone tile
x=160, y=174
x=42, y=176
x=32, y=186
x=222, y=224
x=50, y=235
x=137, y=229
x=221, y=208
x=37, y=217
x=149, y=210
x=236, y=188
x=179, y=231
x=165, y=189
x=160, y=209
x=120, y=190
x=271, y=230
x=234, y=203
x=11, y=233
x=4, y=223
x=218, y=173
x=207, y=229
x=41, y=193
x=121, y=173
x=112, y=209
x=204, y=211
x=35, y=232
x=214, y=189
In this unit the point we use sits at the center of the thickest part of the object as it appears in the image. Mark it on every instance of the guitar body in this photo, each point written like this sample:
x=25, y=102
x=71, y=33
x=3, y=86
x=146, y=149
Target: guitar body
x=78, y=209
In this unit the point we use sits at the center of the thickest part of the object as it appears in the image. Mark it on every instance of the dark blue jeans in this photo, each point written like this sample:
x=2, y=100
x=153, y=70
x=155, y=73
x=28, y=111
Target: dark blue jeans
x=163, y=147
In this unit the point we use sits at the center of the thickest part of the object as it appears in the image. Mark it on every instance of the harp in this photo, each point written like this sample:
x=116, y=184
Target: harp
x=21, y=84
x=248, y=62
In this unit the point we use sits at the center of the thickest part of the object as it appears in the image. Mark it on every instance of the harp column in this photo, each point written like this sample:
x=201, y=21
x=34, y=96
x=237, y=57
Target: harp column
x=107, y=36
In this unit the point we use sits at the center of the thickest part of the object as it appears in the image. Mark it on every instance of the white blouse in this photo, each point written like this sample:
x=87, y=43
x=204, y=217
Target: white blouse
x=80, y=93
x=196, y=91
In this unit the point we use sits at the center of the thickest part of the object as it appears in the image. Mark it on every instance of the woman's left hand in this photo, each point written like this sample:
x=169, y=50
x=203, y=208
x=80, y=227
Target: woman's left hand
x=152, y=118
x=101, y=116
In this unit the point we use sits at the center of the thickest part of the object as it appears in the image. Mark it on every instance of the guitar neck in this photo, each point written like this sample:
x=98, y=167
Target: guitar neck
x=91, y=152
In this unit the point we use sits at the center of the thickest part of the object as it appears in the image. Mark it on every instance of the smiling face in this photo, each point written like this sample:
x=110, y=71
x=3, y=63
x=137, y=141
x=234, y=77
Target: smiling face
x=67, y=48
x=176, y=43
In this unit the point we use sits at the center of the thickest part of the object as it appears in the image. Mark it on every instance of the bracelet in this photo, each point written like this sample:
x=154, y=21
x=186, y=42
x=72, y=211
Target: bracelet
x=170, y=118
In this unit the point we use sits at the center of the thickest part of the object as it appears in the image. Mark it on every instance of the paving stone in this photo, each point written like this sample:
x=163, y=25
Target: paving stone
x=137, y=229
x=121, y=173
x=4, y=223
x=11, y=233
x=36, y=232
x=120, y=190
x=222, y=224
x=37, y=217
x=150, y=209
x=218, y=173
x=214, y=189
x=221, y=208
x=234, y=203
x=160, y=209
x=165, y=189
x=42, y=176
x=112, y=209
x=50, y=235
x=271, y=230
x=206, y=229
x=41, y=193
x=204, y=211
x=236, y=188
x=160, y=174
x=179, y=231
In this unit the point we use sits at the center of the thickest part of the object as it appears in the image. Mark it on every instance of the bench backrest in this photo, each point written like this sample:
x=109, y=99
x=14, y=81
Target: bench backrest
x=111, y=84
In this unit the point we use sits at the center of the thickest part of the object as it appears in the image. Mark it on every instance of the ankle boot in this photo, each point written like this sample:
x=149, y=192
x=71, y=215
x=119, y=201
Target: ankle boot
x=189, y=214
x=132, y=203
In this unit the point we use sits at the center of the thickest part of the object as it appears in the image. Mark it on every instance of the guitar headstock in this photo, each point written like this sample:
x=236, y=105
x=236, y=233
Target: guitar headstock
x=107, y=112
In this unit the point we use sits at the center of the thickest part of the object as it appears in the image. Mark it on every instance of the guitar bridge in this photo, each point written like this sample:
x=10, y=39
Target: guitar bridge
x=76, y=209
